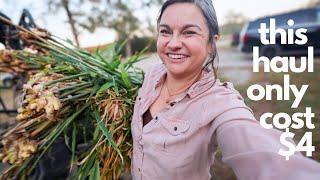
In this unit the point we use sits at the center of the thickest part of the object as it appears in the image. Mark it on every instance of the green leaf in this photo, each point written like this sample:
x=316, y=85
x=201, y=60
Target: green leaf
x=115, y=63
x=85, y=168
x=108, y=51
x=104, y=88
x=125, y=77
x=106, y=63
x=135, y=58
x=106, y=133
x=84, y=52
x=69, y=41
x=93, y=91
x=73, y=143
x=96, y=133
x=115, y=88
x=95, y=172
x=120, y=47
x=104, y=130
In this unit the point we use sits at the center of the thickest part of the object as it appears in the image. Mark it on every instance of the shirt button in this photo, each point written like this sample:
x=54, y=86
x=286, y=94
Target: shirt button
x=172, y=103
x=175, y=128
x=141, y=142
x=139, y=169
x=156, y=117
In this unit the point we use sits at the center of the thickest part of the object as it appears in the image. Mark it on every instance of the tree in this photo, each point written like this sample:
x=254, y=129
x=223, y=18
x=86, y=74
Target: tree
x=233, y=22
x=117, y=15
x=76, y=11
x=71, y=20
x=121, y=18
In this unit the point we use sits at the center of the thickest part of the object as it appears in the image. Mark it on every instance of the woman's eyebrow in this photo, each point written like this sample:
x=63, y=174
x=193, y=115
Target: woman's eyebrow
x=184, y=27
x=191, y=25
x=165, y=26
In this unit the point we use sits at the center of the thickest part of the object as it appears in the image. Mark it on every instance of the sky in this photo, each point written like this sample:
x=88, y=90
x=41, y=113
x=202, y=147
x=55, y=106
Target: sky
x=255, y=8
x=57, y=26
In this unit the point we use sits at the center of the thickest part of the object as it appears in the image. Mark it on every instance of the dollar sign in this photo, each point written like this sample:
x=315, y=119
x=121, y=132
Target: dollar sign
x=291, y=147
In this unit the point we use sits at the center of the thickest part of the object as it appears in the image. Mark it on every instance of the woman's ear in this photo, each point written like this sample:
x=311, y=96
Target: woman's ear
x=216, y=37
x=213, y=44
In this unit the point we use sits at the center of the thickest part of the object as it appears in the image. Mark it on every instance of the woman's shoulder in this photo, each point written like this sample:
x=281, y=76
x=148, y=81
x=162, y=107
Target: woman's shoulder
x=225, y=89
x=210, y=87
x=224, y=97
x=151, y=75
x=222, y=103
x=155, y=70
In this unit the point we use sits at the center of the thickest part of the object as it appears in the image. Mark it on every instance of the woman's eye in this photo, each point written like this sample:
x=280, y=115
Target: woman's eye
x=189, y=32
x=164, y=32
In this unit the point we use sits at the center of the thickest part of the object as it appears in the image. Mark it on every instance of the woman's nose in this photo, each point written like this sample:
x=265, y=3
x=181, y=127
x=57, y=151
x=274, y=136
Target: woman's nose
x=174, y=43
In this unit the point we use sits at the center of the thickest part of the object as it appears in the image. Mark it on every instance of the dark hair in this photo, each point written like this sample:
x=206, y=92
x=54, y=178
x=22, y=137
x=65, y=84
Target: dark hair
x=209, y=14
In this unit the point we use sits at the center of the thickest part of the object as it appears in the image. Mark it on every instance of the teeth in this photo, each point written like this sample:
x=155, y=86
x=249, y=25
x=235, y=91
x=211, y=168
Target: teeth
x=176, y=56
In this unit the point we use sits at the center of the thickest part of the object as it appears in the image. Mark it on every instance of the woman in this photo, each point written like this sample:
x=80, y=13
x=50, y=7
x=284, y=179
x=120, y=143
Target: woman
x=183, y=112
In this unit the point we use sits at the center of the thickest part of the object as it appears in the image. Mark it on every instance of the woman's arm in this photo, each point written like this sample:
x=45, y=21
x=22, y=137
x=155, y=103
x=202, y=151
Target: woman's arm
x=252, y=151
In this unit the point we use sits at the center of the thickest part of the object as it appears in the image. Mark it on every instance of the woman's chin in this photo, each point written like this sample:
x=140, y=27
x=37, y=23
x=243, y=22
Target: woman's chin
x=177, y=71
x=176, y=67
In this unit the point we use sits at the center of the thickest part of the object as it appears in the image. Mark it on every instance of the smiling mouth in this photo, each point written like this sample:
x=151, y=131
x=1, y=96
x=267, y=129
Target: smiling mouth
x=177, y=57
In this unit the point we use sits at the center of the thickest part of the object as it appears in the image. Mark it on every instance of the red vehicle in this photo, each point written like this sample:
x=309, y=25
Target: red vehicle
x=235, y=39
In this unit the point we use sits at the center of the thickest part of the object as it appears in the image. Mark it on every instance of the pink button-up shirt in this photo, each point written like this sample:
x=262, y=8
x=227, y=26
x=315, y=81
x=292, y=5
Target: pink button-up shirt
x=180, y=141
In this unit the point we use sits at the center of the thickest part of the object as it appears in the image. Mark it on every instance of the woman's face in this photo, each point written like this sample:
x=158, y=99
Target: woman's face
x=182, y=42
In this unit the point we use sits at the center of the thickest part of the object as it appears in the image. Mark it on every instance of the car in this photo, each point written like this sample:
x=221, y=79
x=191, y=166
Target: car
x=308, y=18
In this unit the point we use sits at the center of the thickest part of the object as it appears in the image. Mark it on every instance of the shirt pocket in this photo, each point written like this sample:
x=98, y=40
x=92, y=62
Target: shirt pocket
x=173, y=138
x=175, y=126
x=171, y=147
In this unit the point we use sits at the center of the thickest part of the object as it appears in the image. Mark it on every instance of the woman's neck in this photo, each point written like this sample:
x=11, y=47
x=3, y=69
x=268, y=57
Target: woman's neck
x=177, y=83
